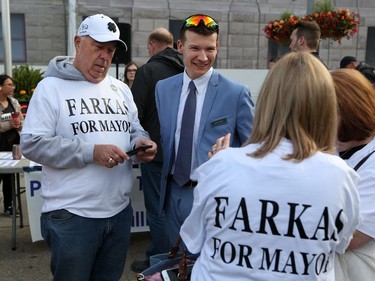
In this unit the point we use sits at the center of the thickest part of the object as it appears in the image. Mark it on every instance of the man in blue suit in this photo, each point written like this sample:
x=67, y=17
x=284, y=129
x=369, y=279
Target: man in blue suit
x=217, y=106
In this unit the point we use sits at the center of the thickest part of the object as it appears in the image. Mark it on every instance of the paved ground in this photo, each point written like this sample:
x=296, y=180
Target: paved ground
x=30, y=262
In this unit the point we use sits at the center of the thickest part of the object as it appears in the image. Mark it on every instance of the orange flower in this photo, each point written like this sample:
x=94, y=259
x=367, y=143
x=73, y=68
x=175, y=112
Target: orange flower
x=280, y=30
x=333, y=24
x=22, y=92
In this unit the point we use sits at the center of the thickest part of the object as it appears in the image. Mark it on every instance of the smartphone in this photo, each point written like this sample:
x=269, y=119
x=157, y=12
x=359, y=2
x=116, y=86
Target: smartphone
x=172, y=273
x=139, y=148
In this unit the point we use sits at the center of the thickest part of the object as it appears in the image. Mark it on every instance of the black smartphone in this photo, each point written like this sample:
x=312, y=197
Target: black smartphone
x=139, y=148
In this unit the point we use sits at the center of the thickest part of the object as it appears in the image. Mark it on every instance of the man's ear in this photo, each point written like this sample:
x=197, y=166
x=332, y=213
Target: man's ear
x=301, y=41
x=179, y=46
x=77, y=41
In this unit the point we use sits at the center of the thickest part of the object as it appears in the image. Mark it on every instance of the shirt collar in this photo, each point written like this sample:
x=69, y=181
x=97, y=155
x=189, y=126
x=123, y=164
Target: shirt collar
x=200, y=83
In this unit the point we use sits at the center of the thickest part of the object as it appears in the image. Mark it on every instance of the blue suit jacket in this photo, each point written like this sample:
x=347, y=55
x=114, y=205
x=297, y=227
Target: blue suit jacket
x=227, y=108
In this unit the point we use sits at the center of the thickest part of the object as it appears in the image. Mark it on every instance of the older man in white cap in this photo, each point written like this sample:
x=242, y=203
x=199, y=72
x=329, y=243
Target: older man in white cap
x=79, y=124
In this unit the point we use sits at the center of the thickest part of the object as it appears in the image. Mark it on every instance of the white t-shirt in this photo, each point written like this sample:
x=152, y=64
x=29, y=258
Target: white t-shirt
x=270, y=219
x=70, y=111
x=366, y=188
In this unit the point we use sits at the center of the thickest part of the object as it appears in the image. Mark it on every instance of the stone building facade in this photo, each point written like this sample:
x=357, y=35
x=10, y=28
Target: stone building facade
x=243, y=44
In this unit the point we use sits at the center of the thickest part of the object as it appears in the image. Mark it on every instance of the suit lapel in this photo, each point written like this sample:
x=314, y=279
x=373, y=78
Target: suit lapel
x=212, y=90
x=175, y=91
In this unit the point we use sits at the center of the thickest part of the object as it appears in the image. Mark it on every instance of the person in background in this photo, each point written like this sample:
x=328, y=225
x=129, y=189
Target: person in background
x=165, y=61
x=306, y=38
x=272, y=62
x=367, y=70
x=356, y=145
x=79, y=124
x=129, y=73
x=280, y=206
x=11, y=121
x=195, y=108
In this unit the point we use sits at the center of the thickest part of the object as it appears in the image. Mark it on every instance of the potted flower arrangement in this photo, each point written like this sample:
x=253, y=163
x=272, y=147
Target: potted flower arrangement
x=25, y=78
x=280, y=30
x=334, y=24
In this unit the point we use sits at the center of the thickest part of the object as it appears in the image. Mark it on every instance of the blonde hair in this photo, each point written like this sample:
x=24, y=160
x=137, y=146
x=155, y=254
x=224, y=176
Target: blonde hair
x=297, y=101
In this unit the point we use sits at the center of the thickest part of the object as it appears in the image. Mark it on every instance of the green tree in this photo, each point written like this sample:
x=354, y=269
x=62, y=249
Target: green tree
x=26, y=79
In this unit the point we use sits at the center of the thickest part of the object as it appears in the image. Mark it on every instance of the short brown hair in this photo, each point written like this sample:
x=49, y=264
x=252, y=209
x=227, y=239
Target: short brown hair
x=310, y=30
x=356, y=103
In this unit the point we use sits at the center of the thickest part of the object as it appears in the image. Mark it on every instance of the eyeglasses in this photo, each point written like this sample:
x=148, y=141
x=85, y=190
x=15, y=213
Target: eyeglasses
x=131, y=70
x=196, y=20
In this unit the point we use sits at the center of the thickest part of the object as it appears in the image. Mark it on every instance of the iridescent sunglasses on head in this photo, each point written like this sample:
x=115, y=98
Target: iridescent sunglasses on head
x=196, y=20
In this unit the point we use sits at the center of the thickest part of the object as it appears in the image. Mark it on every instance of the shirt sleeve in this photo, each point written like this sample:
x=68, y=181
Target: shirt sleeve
x=193, y=231
x=351, y=204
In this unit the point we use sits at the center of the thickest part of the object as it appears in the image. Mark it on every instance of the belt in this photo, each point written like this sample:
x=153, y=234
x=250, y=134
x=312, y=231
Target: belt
x=189, y=184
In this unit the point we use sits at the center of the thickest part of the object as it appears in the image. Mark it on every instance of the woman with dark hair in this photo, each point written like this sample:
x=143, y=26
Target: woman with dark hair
x=356, y=145
x=129, y=74
x=10, y=127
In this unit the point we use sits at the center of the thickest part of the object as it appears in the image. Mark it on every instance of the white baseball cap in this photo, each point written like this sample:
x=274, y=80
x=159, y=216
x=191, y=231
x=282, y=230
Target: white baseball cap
x=101, y=28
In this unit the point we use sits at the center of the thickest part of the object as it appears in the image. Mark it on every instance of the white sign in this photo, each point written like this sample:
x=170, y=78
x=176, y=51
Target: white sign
x=33, y=185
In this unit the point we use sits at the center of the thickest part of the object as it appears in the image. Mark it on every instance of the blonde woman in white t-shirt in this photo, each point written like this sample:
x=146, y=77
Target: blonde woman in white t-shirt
x=279, y=207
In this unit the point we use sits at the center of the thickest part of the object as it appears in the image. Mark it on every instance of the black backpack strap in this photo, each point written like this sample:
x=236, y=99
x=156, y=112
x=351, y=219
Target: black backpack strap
x=363, y=161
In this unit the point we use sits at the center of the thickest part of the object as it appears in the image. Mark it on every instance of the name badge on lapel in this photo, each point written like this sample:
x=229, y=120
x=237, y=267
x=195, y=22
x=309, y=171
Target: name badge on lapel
x=219, y=122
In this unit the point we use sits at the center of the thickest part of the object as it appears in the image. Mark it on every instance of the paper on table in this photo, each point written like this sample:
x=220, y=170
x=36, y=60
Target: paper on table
x=6, y=155
x=8, y=163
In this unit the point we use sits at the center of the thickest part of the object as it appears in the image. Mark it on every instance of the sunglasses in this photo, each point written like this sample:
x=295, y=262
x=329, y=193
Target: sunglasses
x=196, y=20
x=131, y=70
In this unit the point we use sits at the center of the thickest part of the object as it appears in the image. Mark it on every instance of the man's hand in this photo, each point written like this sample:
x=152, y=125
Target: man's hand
x=147, y=155
x=109, y=155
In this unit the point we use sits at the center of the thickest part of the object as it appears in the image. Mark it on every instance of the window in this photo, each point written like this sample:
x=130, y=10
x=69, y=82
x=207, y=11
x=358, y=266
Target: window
x=370, y=55
x=276, y=49
x=174, y=28
x=18, y=37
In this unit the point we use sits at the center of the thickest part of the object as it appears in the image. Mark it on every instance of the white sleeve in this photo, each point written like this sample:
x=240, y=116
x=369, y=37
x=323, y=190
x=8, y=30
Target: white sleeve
x=351, y=213
x=193, y=231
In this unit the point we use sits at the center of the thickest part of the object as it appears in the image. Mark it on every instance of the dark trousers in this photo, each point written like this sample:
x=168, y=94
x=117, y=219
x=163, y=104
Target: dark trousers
x=7, y=190
x=151, y=173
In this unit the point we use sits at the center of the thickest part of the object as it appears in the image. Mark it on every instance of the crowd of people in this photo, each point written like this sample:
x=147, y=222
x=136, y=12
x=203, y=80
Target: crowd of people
x=283, y=189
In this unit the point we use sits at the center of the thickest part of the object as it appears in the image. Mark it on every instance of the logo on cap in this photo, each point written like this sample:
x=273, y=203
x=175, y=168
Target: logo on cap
x=112, y=27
